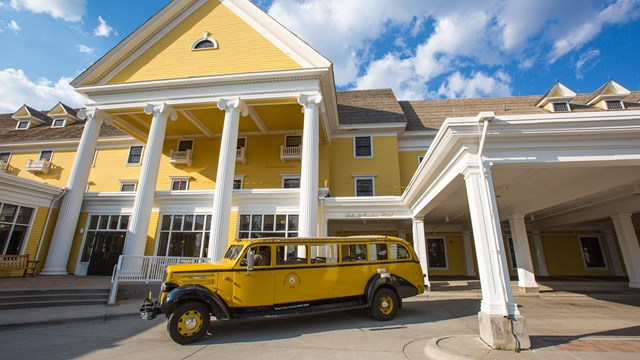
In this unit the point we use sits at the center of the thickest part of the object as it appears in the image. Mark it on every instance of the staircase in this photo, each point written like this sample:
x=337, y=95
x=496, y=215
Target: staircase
x=22, y=299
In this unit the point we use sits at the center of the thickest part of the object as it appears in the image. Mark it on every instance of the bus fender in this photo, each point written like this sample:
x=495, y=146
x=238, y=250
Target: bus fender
x=381, y=280
x=197, y=293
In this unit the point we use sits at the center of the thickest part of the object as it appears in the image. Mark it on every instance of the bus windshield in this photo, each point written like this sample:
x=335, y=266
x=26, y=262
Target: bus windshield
x=233, y=252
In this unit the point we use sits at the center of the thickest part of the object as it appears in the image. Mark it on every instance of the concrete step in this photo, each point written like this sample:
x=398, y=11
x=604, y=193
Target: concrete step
x=51, y=297
x=21, y=299
x=4, y=293
x=47, y=304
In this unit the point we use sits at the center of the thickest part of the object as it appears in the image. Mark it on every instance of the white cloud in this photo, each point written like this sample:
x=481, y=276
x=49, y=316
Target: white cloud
x=586, y=61
x=478, y=84
x=13, y=25
x=86, y=50
x=102, y=29
x=41, y=94
x=68, y=10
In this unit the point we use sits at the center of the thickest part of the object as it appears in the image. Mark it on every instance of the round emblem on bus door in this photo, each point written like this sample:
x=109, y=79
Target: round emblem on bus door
x=292, y=279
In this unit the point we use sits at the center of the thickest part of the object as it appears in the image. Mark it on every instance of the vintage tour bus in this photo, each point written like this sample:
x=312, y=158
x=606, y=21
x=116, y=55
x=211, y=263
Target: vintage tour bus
x=274, y=277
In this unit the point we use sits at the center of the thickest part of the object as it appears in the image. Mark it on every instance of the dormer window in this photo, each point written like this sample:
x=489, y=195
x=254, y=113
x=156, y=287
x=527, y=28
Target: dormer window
x=561, y=106
x=205, y=43
x=23, y=125
x=58, y=123
x=614, y=105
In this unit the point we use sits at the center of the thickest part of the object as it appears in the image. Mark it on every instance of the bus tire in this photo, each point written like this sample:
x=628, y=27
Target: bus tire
x=385, y=304
x=189, y=322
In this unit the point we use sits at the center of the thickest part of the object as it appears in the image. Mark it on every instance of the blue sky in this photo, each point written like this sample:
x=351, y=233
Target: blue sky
x=425, y=49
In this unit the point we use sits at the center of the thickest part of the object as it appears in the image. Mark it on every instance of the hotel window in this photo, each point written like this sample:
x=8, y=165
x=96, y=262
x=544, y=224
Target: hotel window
x=4, y=157
x=292, y=140
x=22, y=125
x=268, y=225
x=46, y=155
x=560, y=106
x=363, y=146
x=291, y=181
x=437, y=253
x=184, y=145
x=179, y=184
x=135, y=155
x=420, y=158
x=242, y=142
x=127, y=186
x=512, y=253
x=107, y=230
x=14, y=225
x=592, y=252
x=184, y=235
x=614, y=105
x=238, y=182
x=58, y=123
x=364, y=186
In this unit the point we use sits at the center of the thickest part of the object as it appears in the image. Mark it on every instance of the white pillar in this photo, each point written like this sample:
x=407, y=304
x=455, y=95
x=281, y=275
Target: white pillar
x=629, y=247
x=612, y=254
x=420, y=246
x=219, y=237
x=526, y=277
x=468, y=253
x=143, y=204
x=501, y=325
x=308, y=223
x=540, y=259
x=58, y=255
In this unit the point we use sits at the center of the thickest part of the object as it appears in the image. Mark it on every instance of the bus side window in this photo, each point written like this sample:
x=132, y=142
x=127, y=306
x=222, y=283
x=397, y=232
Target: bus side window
x=398, y=252
x=377, y=252
x=355, y=252
x=291, y=254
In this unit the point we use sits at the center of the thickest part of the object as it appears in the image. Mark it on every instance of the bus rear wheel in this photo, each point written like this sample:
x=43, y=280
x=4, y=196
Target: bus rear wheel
x=188, y=323
x=385, y=305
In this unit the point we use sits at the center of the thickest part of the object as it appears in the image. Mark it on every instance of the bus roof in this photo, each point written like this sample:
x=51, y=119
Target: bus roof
x=335, y=239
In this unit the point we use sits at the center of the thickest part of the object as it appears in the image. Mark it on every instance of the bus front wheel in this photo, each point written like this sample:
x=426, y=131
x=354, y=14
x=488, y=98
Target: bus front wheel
x=188, y=323
x=385, y=305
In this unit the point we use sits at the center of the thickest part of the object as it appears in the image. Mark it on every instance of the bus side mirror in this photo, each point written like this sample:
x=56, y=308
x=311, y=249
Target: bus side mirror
x=250, y=254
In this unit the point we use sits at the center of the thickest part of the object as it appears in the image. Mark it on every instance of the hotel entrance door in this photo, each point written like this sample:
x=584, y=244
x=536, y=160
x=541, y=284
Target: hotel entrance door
x=107, y=247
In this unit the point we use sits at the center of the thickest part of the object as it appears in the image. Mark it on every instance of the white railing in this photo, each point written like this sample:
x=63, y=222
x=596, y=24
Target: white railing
x=290, y=152
x=181, y=157
x=38, y=166
x=145, y=269
x=241, y=155
x=3, y=166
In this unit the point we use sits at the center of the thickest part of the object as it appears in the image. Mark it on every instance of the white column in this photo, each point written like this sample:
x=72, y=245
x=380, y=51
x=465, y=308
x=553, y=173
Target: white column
x=500, y=323
x=58, y=255
x=143, y=204
x=219, y=237
x=629, y=247
x=309, y=168
x=540, y=259
x=420, y=246
x=612, y=255
x=526, y=277
x=497, y=298
x=468, y=253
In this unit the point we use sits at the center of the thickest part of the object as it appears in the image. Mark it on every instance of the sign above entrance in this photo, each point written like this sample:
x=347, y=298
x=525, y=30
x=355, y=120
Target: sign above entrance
x=368, y=215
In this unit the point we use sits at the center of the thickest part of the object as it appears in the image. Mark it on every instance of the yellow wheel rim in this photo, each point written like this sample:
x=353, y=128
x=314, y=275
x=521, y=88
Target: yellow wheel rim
x=190, y=323
x=386, y=305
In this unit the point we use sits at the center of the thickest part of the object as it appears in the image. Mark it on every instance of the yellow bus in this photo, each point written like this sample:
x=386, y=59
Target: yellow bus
x=275, y=277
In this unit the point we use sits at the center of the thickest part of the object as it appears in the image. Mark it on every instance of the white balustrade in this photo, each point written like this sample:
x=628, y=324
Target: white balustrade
x=181, y=157
x=290, y=152
x=42, y=166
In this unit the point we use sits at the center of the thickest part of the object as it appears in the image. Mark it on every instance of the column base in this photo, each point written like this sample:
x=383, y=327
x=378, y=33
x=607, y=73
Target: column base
x=635, y=285
x=53, y=272
x=529, y=289
x=504, y=333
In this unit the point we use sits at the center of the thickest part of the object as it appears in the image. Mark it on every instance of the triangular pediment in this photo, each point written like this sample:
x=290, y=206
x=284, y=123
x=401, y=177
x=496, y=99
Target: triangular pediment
x=610, y=90
x=28, y=113
x=558, y=92
x=243, y=39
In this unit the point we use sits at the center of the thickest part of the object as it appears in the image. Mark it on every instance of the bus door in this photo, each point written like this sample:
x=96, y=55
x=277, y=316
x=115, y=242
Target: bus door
x=254, y=286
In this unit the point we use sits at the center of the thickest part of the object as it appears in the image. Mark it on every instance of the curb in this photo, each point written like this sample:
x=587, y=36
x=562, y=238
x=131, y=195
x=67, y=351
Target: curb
x=24, y=325
x=434, y=351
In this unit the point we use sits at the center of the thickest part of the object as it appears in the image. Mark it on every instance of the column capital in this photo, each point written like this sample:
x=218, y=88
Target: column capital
x=620, y=216
x=417, y=220
x=473, y=169
x=94, y=114
x=161, y=109
x=308, y=100
x=233, y=104
x=515, y=217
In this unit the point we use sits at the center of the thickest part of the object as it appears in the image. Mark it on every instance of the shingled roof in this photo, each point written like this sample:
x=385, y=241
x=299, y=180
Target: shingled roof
x=369, y=107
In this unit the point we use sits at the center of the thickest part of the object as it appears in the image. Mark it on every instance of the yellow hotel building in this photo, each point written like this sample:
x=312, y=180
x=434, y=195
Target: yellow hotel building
x=213, y=122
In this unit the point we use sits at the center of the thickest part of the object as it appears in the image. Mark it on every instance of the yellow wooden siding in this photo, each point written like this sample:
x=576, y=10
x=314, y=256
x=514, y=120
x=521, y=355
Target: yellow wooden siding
x=408, y=161
x=241, y=49
x=110, y=167
x=233, y=227
x=78, y=237
x=201, y=173
x=154, y=222
x=384, y=164
x=454, y=244
x=564, y=257
x=61, y=164
x=264, y=168
x=324, y=166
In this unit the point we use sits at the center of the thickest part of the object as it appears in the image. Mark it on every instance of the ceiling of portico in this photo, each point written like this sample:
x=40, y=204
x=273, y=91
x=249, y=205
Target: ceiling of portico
x=549, y=196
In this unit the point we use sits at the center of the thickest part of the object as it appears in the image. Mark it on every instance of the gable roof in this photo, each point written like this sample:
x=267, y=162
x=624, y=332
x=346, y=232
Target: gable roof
x=369, y=107
x=610, y=89
x=176, y=12
x=31, y=113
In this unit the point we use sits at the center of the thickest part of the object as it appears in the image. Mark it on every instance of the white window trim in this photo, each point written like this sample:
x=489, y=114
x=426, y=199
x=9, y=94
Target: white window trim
x=27, y=234
x=180, y=178
x=129, y=182
x=204, y=38
x=245, y=142
x=95, y=155
x=129, y=155
x=370, y=146
x=446, y=255
x=10, y=155
x=553, y=108
x=420, y=159
x=288, y=176
x=50, y=158
x=288, y=136
x=602, y=251
x=371, y=177
x=53, y=123
x=22, y=122
x=193, y=144
x=241, y=178
x=606, y=104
